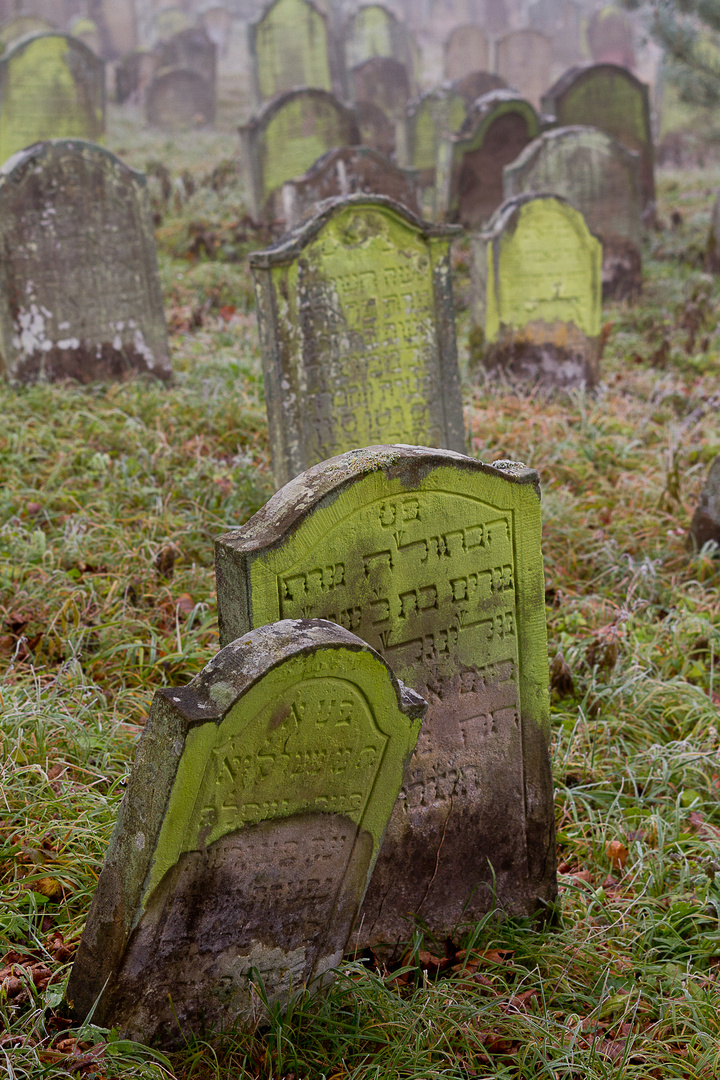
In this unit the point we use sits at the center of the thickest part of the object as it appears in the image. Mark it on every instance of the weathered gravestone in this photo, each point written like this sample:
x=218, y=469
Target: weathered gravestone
x=191, y=49
x=601, y=179
x=51, y=86
x=254, y=813
x=537, y=277
x=80, y=295
x=376, y=128
x=357, y=334
x=86, y=30
x=133, y=75
x=610, y=98
x=178, y=98
x=434, y=559
x=21, y=25
x=705, y=525
x=351, y=170
x=290, y=48
x=435, y=115
x=524, y=60
x=610, y=35
x=218, y=25
x=287, y=136
x=466, y=51
x=168, y=22
x=383, y=81
x=373, y=30
x=476, y=84
x=117, y=22
x=470, y=164
x=561, y=22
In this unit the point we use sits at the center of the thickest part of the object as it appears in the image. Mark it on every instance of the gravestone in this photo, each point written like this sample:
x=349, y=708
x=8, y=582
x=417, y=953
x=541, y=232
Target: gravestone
x=191, y=49
x=373, y=30
x=610, y=98
x=384, y=82
x=601, y=179
x=218, y=25
x=253, y=816
x=80, y=295
x=610, y=36
x=289, y=48
x=562, y=22
x=357, y=334
x=477, y=84
x=51, y=86
x=470, y=164
x=434, y=559
x=376, y=128
x=180, y=99
x=21, y=25
x=466, y=51
x=524, y=60
x=435, y=115
x=289, y=134
x=117, y=23
x=349, y=171
x=86, y=30
x=712, y=251
x=537, y=277
x=168, y=22
x=133, y=75
x=705, y=525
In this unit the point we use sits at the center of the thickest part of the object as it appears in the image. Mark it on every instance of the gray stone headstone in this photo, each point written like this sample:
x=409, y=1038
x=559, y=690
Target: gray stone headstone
x=466, y=51
x=289, y=134
x=51, y=86
x=290, y=48
x=180, y=99
x=373, y=30
x=134, y=73
x=610, y=98
x=705, y=525
x=432, y=117
x=562, y=22
x=357, y=334
x=253, y=816
x=524, y=60
x=117, y=22
x=377, y=129
x=477, y=84
x=350, y=171
x=385, y=82
x=434, y=559
x=610, y=36
x=80, y=295
x=191, y=49
x=470, y=164
x=601, y=179
x=537, y=281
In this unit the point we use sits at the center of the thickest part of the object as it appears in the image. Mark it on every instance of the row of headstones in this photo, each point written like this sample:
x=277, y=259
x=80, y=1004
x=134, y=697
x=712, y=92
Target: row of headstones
x=289, y=801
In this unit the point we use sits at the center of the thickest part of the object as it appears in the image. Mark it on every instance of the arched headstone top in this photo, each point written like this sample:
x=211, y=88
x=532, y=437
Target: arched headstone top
x=290, y=47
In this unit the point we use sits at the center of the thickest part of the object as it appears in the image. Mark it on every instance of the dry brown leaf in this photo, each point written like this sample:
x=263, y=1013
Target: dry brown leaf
x=618, y=854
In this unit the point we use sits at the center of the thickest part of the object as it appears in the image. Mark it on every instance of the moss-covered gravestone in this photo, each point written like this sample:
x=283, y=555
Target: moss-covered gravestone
x=191, y=49
x=433, y=116
x=253, y=816
x=601, y=179
x=20, y=25
x=51, y=86
x=80, y=295
x=466, y=50
x=610, y=98
x=434, y=559
x=524, y=59
x=373, y=30
x=537, y=279
x=357, y=333
x=349, y=171
x=289, y=134
x=289, y=47
x=470, y=164
x=180, y=99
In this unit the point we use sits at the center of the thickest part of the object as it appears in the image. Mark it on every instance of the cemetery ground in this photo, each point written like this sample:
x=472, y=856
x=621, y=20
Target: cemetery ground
x=111, y=496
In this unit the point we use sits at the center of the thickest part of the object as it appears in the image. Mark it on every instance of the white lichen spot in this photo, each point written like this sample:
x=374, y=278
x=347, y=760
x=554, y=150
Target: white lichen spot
x=69, y=343
x=140, y=841
x=117, y=343
x=30, y=334
x=142, y=347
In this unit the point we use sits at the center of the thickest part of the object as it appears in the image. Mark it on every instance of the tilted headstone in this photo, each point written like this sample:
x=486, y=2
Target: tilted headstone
x=51, y=86
x=181, y=99
x=191, y=49
x=524, y=59
x=434, y=559
x=290, y=47
x=253, y=816
x=537, y=282
x=610, y=35
x=477, y=84
x=287, y=137
x=601, y=179
x=466, y=51
x=21, y=25
x=610, y=98
x=350, y=171
x=357, y=334
x=561, y=21
x=373, y=30
x=470, y=164
x=705, y=525
x=80, y=295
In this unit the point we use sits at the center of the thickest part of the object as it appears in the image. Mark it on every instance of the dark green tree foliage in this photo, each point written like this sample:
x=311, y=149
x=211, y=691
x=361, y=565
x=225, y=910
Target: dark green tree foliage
x=689, y=32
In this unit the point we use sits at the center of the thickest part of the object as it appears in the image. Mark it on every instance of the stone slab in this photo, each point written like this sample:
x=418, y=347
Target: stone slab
x=374, y=30
x=80, y=295
x=51, y=86
x=478, y=83
x=466, y=51
x=383, y=81
x=432, y=117
x=357, y=334
x=601, y=179
x=524, y=59
x=434, y=559
x=537, y=277
x=705, y=525
x=253, y=816
x=191, y=49
x=290, y=48
x=179, y=99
